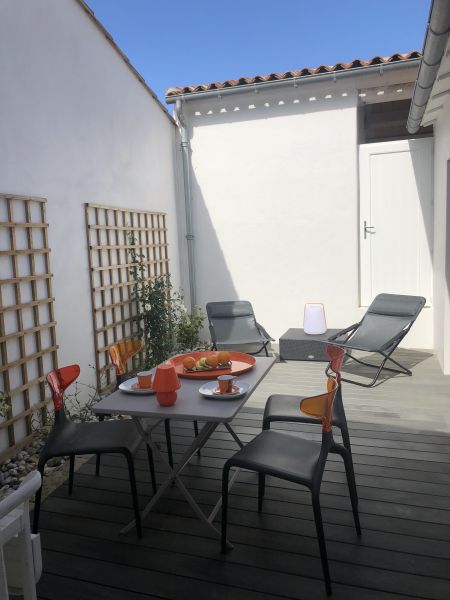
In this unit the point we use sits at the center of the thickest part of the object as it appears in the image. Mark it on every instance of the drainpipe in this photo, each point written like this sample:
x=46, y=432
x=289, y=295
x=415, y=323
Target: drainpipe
x=436, y=39
x=185, y=148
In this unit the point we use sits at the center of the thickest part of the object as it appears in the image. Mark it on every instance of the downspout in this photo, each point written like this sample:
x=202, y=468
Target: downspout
x=436, y=39
x=185, y=149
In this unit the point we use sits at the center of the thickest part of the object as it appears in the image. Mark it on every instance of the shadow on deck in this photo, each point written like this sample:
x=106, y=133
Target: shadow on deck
x=404, y=487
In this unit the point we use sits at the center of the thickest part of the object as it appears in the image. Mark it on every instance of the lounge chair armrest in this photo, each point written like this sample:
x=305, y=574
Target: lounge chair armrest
x=385, y=348
x=264, y=332
x=343, y=332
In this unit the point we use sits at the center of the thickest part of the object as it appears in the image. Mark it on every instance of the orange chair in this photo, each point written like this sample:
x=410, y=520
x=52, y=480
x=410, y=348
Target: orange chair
x=296, y=459
x=120, y=354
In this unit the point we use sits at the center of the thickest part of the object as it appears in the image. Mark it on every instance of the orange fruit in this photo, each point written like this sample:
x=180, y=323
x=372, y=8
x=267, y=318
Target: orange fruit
x=212, y=360
x=223, y=357
x=189, y=362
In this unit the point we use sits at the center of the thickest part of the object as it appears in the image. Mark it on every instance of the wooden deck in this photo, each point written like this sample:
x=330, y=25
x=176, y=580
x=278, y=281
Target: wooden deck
x=420, y=402
x=403, y=478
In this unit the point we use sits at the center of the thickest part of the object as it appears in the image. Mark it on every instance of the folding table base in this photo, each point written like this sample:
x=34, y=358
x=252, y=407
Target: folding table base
x=173, y=473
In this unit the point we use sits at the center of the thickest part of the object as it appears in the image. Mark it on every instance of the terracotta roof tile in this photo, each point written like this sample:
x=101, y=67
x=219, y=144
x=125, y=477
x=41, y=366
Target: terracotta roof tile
x=304, y=72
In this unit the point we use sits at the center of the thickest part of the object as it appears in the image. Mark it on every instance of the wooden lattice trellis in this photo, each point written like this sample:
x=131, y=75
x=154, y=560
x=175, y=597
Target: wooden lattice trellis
x=113, y=309
x=27, y=324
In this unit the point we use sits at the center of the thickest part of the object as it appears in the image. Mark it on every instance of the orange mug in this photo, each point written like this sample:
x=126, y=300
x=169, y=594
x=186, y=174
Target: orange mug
x=145, y=379
x=226, y=383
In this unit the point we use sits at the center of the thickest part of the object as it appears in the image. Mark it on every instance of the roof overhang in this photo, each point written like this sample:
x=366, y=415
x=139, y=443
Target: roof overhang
x=432, y=86
x=440, y=92
x=335, y=76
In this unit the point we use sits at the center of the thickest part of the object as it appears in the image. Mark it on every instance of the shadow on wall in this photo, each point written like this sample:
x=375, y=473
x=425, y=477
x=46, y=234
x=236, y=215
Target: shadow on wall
x=215, y=280
x=206, y=241
x=424, y=190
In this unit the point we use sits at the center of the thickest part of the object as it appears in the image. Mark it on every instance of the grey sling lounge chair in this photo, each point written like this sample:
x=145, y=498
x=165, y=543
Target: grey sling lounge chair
x=233, y=323
x=386, y=322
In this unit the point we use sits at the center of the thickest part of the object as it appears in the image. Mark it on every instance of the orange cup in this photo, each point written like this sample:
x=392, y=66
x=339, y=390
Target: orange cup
x=226, y=383
x=145, y=379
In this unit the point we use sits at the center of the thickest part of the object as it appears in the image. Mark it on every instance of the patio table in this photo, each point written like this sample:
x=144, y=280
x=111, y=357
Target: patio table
x=190, y=405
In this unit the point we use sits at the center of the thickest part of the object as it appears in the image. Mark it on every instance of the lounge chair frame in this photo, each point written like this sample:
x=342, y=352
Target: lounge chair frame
x=385, y=350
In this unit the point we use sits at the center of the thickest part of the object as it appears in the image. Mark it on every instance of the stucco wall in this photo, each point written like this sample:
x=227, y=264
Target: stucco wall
x=275, y=202
x=441, y=238
x=77, y=126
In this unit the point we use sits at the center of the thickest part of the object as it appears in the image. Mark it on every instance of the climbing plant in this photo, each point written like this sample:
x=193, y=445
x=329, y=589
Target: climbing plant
x=164, y=324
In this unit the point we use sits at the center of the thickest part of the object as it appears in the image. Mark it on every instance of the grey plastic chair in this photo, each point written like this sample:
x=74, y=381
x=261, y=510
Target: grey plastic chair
x=283, y=408
x=71, y=439
x=298, y=460
x=386, y=322
x=233, y=323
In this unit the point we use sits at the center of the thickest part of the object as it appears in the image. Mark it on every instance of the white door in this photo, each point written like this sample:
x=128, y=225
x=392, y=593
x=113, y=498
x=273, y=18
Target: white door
x=396, y=218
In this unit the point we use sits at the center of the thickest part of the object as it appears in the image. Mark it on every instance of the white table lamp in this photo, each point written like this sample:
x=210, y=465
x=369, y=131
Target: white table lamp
x=314, y=322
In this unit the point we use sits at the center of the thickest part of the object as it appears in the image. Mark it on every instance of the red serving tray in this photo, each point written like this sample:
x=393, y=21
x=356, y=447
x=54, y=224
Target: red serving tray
x=240, y=363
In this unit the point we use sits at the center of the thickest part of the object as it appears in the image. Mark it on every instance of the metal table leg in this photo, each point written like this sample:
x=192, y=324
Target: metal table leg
x=173, y=473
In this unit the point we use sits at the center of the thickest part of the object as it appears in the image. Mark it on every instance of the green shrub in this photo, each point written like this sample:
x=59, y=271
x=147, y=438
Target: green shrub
x=163, y=323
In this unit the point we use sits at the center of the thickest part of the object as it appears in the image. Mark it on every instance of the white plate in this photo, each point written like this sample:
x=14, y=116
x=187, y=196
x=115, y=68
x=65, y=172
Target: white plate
x=207, y=390
x=127, y=387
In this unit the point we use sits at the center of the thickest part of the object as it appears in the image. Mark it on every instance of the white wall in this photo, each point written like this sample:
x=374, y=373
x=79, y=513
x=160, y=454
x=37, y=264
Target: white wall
x=442, y=238
x=77, y=126
x=276, y=208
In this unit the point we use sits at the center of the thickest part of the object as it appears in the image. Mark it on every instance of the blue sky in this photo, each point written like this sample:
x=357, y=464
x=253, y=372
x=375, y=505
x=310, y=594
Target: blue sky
x=191, y=42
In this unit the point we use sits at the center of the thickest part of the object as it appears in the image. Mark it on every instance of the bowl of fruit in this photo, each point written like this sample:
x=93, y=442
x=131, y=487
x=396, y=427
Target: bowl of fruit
x=211, y=364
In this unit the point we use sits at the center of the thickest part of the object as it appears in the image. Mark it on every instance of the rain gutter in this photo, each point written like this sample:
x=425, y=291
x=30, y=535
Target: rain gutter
x=185, y=151
x=296, y=81
x=436, y=38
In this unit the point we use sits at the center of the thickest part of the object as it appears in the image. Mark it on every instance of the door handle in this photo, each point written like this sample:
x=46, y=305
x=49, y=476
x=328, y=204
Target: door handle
x=368, y=229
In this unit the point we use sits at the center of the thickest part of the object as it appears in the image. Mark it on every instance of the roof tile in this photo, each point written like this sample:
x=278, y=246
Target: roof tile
x=304, y=72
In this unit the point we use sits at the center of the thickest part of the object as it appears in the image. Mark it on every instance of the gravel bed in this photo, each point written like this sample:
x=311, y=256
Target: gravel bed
x=15, y=468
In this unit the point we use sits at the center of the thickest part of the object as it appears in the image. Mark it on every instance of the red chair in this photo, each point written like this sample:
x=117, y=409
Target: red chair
x=71, y=439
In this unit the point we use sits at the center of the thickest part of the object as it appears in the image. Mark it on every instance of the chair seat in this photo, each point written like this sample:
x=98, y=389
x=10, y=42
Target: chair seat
x=90, y=438
x=280, y=454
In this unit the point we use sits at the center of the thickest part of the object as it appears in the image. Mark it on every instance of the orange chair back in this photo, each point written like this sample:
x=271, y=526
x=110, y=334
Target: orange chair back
x=121, y=353
x=321, y=406
x=59, y=380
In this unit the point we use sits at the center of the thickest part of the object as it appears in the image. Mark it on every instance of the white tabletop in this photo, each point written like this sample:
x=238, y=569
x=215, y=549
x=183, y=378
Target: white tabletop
x=190, y=404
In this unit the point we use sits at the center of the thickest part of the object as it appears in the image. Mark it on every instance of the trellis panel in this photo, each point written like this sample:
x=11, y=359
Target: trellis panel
x=28, y=347
x=113, y=308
